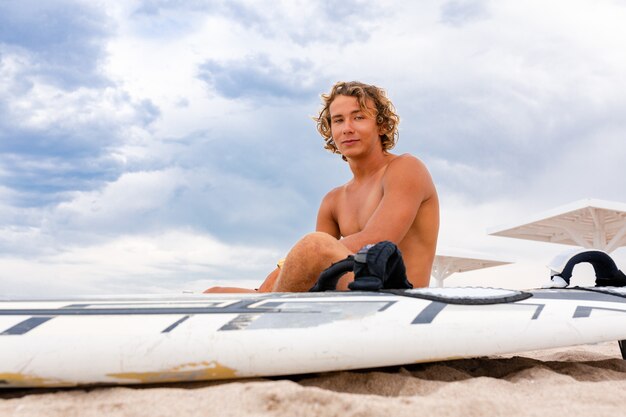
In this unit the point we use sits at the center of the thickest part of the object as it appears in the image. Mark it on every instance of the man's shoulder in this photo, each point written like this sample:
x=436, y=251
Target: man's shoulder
x=405, y=163
x=409, y=173
x=333, y=194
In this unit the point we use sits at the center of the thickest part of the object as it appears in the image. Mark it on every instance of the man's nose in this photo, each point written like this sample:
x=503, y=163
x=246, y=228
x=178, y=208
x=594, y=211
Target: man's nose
x=347, y=126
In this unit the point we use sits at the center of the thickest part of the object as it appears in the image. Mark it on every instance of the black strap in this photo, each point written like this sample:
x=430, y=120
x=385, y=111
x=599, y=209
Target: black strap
x=379, y=266
x=329, y=278
x=375, y=267
x=607, y=274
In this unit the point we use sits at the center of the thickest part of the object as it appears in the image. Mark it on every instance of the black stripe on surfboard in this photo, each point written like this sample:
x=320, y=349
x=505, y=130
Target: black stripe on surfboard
x=240, y=307
x=428, y=314
x=585, y=311
x=129, y=311
x=576, y=294
x=538, y=310
x=175, y=324
x=25, y=326
x=102, y=310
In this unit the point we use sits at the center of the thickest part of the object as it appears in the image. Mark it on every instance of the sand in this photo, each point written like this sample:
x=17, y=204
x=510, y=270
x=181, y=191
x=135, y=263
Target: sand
x=580, y=381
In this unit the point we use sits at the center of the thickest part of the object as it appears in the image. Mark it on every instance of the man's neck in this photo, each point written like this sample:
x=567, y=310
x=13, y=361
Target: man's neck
x=364, y=168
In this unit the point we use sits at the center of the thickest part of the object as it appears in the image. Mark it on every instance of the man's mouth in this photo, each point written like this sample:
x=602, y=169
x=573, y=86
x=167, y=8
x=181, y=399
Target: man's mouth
x=349, y=142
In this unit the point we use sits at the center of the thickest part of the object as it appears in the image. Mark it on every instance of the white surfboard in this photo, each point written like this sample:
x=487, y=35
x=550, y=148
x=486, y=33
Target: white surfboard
x=150, y=339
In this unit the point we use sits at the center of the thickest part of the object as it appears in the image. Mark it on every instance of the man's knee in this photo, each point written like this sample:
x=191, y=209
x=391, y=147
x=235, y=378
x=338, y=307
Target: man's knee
x=320, y=244
x=309, y=256
x=316, y=240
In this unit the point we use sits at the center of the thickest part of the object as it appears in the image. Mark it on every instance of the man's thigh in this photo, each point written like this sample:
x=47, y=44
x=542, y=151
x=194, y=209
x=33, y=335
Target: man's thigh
x=307, y=259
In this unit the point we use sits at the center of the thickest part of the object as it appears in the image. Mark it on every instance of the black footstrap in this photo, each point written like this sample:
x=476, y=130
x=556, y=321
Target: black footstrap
x=375, y=267
x=607, y=273
x=329, y=278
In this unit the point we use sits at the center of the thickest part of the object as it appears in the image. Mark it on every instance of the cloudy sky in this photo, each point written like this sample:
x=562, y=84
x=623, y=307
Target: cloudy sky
x=168, y=145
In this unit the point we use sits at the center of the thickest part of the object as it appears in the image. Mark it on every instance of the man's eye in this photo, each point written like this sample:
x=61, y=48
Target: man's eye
x=337, y=121
x=359, y=117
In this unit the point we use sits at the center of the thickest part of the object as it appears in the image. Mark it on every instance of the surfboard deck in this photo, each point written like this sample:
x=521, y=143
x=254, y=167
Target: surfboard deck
x=143, y=339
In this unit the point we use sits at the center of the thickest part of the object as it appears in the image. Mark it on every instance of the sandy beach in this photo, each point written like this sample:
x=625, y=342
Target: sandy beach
x=581, y=381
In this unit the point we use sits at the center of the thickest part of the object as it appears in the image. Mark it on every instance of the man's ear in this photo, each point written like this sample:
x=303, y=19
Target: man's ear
x=382, y=130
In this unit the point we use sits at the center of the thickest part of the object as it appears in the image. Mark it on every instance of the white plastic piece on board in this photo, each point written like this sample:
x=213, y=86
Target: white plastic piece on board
x=559, y=261
x=555, y=282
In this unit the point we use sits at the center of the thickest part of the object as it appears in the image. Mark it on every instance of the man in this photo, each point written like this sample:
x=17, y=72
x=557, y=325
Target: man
x=390, y=197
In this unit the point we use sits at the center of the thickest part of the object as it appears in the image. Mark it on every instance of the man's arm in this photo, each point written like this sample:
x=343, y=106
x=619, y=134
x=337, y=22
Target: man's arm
x=406, y=185
x=326, y=221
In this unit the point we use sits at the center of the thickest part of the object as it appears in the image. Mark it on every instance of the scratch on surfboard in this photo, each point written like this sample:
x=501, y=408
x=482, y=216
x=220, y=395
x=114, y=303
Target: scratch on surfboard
x=14, y=379
x=194, y=371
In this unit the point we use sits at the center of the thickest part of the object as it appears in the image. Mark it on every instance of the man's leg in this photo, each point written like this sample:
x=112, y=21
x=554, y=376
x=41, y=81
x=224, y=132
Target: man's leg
x=307, y=259
x=305, y=262
x=227, y=290
x=267, y=285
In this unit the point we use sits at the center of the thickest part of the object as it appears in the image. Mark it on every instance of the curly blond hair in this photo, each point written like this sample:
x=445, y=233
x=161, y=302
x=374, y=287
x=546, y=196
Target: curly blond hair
x=385, y=112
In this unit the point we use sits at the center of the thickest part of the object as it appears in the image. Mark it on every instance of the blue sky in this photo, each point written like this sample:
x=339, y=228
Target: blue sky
x=166, y=145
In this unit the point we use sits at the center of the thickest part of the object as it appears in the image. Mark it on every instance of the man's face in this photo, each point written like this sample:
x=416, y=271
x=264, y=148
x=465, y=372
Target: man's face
x=354, y=132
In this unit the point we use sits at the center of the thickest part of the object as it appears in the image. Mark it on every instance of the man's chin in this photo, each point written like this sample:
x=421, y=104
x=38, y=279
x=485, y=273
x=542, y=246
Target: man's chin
x=349, y=153
x=352, y=155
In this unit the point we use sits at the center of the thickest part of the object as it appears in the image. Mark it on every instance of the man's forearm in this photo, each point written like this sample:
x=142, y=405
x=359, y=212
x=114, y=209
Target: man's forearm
x=356, y=241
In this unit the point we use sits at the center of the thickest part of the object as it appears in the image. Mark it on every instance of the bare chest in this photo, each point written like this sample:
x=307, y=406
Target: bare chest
x=356, y=206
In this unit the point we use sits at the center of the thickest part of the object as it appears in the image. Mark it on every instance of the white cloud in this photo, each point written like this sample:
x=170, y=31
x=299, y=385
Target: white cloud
x=167, y=262
x=589, y=168
x=132, y=195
